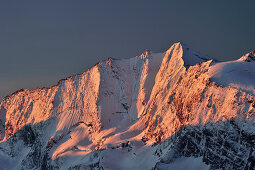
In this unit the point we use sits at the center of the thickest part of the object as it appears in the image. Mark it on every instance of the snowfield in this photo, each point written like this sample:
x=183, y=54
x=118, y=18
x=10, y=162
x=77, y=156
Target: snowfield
x=174, y=110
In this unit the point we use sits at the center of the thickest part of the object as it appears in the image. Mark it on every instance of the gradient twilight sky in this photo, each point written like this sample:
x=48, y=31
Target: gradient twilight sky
x=44, y=41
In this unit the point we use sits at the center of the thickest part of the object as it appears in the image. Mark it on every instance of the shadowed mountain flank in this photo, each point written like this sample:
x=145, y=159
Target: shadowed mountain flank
x=223, y=144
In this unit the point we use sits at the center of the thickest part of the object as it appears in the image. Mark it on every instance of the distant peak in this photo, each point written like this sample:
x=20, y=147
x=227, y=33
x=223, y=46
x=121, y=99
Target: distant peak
x=180, y=43
x=145, y=54
x=248, y=57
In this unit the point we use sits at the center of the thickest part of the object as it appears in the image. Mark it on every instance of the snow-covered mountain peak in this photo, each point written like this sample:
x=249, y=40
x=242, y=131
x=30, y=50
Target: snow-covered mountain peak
x=144, y=112
x=249, y=57
x=189, y=56
x=147, y=53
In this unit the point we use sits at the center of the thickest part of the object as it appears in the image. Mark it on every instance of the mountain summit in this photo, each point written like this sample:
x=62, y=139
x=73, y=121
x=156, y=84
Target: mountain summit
x=167, y=110
x=248, y=57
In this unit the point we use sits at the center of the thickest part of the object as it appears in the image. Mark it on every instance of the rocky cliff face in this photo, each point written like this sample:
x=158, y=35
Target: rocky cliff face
x=147, y=112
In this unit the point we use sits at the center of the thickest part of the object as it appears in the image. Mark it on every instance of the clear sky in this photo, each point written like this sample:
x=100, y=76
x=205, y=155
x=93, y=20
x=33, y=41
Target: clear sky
x=44, y=41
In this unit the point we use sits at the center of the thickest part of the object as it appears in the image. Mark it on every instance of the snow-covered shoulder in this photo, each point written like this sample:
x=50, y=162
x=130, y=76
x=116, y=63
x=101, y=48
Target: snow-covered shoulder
x=239, y=74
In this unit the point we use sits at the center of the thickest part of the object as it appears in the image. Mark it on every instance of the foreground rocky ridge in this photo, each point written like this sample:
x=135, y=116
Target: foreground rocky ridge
x=142, y=113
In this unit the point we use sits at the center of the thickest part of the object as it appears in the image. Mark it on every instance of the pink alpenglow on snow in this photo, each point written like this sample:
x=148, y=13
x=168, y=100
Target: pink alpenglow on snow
x=174, y=109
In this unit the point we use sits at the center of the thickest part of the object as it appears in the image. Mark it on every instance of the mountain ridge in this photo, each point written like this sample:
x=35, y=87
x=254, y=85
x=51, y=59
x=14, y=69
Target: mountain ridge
x=128, y=109
x=145, y=54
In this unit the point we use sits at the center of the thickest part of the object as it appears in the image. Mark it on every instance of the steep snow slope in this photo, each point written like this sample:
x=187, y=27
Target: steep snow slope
x=145, y=112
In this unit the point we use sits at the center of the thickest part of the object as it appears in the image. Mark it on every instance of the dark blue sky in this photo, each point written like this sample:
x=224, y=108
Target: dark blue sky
x=44, y=41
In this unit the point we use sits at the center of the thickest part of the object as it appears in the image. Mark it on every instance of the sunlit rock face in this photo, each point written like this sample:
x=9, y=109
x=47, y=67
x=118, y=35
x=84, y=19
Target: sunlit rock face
x=175, y=109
